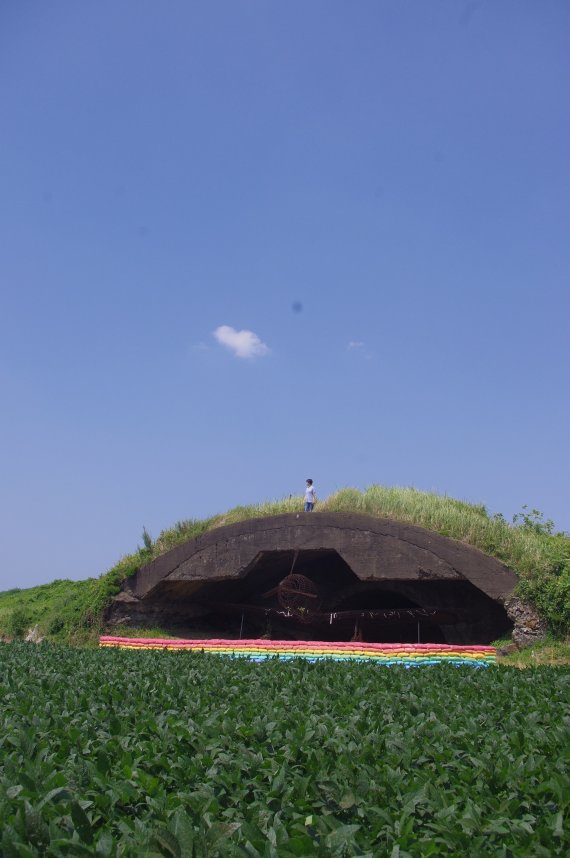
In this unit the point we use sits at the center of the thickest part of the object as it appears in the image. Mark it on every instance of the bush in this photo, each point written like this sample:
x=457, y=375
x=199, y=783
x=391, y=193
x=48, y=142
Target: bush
x=551, y=596
x=19, y=622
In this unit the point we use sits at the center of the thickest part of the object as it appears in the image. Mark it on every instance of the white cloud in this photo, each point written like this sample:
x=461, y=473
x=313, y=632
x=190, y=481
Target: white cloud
x=359, y=348
x=244, y=344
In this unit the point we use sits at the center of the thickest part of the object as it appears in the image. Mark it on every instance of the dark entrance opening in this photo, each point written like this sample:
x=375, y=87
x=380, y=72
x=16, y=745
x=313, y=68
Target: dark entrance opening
x=339, y=607
x=253, y=599
x=332, y=604
x=462, y=614
x=405, y=620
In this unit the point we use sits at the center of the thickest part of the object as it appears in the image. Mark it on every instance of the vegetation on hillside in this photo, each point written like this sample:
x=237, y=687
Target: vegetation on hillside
x=549, y=651
x=123, y=754
x=73, y=611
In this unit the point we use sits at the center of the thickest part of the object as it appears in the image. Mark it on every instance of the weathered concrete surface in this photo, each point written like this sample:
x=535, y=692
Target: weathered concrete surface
x=375, y=549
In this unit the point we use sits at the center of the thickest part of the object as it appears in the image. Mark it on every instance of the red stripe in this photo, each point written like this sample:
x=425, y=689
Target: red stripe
x=291, y=646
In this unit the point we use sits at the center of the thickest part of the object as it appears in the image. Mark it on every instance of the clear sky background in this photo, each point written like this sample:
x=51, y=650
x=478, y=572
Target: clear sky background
x=378, y=191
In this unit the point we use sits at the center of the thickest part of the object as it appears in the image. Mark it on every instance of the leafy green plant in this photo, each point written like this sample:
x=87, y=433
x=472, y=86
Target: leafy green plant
x=123, y=754
x=147, y=539
x=533, y=521
x=18, y=623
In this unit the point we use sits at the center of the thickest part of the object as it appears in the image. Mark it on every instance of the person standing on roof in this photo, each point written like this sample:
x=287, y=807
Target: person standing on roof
x=310, y=496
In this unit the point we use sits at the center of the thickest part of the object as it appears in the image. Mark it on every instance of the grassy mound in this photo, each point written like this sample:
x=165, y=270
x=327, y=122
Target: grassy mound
x=73, y=610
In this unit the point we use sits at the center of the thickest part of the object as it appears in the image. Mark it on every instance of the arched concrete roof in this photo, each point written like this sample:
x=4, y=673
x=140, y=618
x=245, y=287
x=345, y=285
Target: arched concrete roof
x=376, y=549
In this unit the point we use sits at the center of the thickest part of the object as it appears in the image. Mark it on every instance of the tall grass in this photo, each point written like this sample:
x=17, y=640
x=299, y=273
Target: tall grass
x=522, y=549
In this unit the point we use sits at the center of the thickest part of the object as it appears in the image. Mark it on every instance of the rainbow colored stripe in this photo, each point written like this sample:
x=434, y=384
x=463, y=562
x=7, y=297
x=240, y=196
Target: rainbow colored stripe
x=260, y=650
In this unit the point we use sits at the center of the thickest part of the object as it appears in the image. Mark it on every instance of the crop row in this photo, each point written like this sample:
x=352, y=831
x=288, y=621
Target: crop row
x=116, y=753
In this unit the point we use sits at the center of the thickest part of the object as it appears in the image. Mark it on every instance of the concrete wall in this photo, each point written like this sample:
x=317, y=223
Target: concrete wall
x=374, y=548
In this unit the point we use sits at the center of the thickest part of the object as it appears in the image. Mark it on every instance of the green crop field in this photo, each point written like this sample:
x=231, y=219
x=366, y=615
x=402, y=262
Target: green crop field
x=114, y=753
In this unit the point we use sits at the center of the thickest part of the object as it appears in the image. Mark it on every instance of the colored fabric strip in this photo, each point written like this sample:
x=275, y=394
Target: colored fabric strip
x=261, y=650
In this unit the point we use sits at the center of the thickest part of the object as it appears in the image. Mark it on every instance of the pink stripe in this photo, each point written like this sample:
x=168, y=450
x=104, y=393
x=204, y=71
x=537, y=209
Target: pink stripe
x=291, y=646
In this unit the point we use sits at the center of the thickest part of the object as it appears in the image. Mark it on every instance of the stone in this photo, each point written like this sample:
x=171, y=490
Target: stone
x=528, y=627
x=34, y=636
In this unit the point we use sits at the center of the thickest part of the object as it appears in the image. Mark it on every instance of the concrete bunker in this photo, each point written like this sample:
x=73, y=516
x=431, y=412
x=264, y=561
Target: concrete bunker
x=322, y=576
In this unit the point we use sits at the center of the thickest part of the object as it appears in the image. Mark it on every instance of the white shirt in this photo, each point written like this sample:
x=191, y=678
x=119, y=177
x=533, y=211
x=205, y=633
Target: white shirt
x=310, y=494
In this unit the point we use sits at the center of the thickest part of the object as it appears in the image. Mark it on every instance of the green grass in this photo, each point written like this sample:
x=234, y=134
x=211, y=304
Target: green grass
x=548, y=652
x=184, y=755
x=51, y=607
x=73, y=611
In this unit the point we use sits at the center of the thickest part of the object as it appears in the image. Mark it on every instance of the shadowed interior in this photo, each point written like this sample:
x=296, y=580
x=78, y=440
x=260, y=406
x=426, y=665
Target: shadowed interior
x=249, y=605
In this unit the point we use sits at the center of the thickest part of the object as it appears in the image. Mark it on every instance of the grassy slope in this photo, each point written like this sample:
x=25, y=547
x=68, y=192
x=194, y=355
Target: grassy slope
x=548, y=652
x=72, y=611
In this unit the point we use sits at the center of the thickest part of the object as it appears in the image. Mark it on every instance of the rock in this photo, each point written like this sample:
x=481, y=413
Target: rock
x=126, y=597
x=34, y=636
x=507, y=649
x=529, y=627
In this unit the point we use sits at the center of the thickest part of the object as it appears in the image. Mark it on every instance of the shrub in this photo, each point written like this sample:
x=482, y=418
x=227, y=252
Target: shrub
x=19, y=622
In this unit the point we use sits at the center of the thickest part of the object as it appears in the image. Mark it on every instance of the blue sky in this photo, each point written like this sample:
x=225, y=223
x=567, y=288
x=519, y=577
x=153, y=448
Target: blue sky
x=378, y=192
